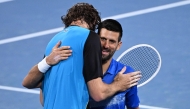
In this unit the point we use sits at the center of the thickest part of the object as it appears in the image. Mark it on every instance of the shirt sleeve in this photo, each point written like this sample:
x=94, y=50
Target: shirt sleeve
x=131, y=97
x=92, y=57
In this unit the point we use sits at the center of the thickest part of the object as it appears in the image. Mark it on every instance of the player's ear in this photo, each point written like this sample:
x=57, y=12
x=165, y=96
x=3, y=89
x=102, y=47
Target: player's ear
x=119, y=45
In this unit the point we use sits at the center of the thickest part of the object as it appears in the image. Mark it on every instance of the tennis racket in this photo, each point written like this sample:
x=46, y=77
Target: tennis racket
x=144, y=58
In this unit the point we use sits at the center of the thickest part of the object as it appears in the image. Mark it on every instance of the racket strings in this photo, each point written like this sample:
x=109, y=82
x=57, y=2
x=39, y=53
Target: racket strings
x=143, y=59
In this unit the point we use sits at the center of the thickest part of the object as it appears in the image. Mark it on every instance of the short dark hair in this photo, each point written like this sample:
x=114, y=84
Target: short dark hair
x=111, y=25
x=82, y=11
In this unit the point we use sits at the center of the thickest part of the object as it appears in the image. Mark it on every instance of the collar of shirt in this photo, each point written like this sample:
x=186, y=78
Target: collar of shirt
x=113, y=67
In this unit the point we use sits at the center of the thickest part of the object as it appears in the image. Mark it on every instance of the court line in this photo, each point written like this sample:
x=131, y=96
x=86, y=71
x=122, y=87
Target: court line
x=2, y=1
x=149, y=10
x=38, y=92
x=151, y=107
x=32, y=35
x=120, y=16
x=19, y=89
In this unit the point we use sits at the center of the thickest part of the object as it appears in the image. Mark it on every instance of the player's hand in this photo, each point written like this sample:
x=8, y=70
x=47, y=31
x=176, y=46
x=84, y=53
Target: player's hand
x=58, y=54
x=126, y=81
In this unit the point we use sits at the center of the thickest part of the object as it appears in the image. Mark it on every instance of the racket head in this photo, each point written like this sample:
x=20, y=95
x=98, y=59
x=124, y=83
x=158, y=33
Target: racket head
x=144, y=58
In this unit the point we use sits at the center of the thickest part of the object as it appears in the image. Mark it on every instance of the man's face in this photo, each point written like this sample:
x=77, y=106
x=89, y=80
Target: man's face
x=109, y=42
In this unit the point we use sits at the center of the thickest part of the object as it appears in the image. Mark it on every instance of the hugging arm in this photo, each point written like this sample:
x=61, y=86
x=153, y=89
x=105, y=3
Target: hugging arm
x=33, y=79
x=35, y=76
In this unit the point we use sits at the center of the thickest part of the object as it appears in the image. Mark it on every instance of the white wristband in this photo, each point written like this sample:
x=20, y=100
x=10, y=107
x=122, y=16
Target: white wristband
x=43, y=66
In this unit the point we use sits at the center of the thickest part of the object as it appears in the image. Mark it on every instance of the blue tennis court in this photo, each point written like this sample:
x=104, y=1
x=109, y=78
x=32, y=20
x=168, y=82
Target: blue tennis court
x=27, y=26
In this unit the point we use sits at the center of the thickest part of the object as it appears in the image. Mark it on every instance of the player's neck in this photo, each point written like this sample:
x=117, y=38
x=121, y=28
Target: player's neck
x=80, y=23
x=106, y=65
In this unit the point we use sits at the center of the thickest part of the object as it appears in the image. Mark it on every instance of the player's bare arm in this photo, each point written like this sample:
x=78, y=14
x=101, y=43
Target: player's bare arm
x=100, y=91
x=34, y=77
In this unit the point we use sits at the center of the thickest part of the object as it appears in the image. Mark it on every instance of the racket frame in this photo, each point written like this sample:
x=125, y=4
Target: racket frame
x=144, y=45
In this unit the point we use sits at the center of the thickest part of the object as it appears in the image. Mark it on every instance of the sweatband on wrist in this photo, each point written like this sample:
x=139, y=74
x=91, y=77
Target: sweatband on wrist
x=43, y=66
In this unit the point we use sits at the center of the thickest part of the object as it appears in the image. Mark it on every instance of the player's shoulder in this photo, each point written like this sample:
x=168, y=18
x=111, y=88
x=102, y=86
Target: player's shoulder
x=74, y=29
x=121, y=65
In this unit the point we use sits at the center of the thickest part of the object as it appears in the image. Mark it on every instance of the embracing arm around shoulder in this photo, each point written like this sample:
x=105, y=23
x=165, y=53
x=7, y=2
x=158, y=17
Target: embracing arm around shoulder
x=35, y=75
x=99, y=90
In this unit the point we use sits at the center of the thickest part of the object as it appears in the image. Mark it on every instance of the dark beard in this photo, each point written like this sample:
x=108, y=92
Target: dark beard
x=105, y=59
